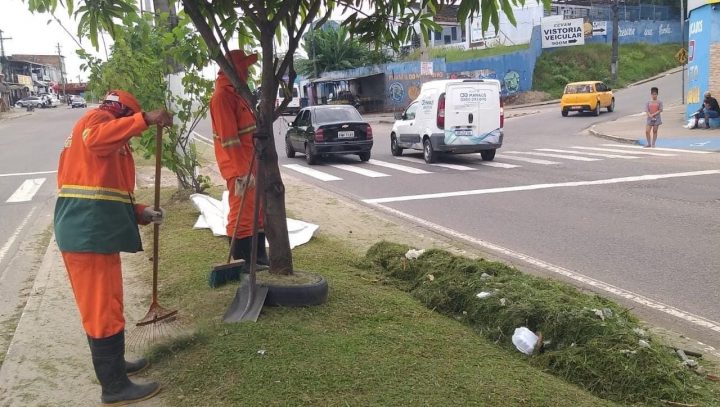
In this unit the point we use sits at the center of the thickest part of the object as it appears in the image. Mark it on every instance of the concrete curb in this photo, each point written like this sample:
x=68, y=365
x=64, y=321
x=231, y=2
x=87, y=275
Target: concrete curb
x=13, y=116
x=593, y=131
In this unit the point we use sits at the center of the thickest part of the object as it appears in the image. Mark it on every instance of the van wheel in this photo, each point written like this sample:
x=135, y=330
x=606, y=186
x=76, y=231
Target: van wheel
x=488, y=155
x=596, y=112
x=612, y=105
x=309, y=156
x=289, y=150
x=394, y=147
x=429, y=153
x=564, y=113
x=364, y=156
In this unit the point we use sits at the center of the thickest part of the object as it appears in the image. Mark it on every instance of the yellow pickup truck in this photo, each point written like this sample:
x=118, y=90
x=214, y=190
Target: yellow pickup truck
x=588, y=96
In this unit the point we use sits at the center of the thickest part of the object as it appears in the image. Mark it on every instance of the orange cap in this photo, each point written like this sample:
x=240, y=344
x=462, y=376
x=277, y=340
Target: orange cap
x=242, y=62
x=125, y=98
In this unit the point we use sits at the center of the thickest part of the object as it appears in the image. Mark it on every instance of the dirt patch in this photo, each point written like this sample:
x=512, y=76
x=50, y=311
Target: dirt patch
x=523, y=98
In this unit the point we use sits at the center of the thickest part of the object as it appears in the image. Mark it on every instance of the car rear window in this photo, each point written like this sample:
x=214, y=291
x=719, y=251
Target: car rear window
x=337, y=114
x=578, y=89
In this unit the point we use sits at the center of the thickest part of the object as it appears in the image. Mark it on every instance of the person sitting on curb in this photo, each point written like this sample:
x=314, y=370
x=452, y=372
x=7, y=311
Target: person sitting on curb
x=709, y=110
x=96, y=218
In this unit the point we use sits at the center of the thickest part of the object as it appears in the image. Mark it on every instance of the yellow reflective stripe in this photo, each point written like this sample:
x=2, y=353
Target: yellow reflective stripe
x=231, y=142
x=86, y=133
x=246, y=129
x=97, y=197
x=92, y=188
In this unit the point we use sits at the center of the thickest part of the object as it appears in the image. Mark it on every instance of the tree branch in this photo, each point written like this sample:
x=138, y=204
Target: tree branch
x=207, y=34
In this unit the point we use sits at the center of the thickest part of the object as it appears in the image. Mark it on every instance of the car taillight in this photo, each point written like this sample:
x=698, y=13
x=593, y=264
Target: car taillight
x=319, y=135
x=441, y=112
x=502, y=114
x=368, y=132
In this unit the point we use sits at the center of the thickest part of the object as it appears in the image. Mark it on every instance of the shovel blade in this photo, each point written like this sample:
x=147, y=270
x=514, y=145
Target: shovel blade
x=247, y=304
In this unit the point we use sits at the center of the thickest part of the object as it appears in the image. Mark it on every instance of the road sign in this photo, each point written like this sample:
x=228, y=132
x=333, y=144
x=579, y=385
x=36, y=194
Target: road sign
x=682, y=56
x=562, y=33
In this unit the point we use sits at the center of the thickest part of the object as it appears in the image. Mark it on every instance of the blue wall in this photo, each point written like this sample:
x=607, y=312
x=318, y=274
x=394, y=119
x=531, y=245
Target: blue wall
x=515, y=71
x=703, y=27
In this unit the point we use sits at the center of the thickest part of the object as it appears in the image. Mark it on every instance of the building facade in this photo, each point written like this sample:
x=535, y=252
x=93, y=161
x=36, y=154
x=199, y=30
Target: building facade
x=703, y=71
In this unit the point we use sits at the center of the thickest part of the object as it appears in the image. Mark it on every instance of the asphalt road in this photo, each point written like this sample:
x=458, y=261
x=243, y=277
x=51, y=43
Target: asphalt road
x=638, y=227
x=29, y=152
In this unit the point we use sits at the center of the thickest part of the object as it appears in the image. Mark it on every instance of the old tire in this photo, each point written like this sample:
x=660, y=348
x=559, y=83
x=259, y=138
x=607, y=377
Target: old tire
x=395, y=149
x=301, y=295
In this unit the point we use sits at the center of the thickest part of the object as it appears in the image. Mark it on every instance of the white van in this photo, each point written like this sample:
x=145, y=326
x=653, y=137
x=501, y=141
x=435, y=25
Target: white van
x=451, y=116
x=294, y=106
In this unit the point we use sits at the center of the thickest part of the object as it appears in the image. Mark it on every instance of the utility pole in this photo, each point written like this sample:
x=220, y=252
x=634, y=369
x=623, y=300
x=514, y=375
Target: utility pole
x=615, y=45
x=682, y=32
x=62, y=70
x=3, y=60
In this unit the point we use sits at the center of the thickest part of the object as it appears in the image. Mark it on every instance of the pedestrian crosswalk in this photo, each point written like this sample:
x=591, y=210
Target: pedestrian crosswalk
x=507, y=160
x=26, y=190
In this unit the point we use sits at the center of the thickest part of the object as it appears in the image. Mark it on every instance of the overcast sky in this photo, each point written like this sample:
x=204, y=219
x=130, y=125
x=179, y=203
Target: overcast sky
x=31, y=34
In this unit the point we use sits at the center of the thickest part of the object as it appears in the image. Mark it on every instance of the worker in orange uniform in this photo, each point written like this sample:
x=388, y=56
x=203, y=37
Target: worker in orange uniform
x=233, y=125
x=96, y=218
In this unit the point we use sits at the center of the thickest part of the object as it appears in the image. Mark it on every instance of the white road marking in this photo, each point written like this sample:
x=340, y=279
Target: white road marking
x=639, y=178
x=360, y=170
x=592, y=154
x=202, y=138
x=18, y=174
x=27, y=190
x=322, y=176
x=498, y=165
x=6, y=247
x=661, y=149
x=526, y=159
x=565, y=157
x=398, y=167
x=597, y=284
x=450, y=166
x=614, y=150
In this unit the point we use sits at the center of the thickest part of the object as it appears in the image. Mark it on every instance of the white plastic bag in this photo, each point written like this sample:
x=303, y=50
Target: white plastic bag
x=524, y=340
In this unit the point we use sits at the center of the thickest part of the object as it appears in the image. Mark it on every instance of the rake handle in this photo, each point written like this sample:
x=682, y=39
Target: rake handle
x=156, y=227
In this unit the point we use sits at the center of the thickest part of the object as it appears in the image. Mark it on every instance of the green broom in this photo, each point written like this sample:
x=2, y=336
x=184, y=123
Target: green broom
x=230, y=271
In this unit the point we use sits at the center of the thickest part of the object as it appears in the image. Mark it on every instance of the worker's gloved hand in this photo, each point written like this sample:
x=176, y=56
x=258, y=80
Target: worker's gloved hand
x=158, y=116
x=240, y=184
x=151, y=215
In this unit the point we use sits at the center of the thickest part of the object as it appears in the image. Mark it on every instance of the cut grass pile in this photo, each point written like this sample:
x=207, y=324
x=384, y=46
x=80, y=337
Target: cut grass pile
x=370, y=345
x=601, y=354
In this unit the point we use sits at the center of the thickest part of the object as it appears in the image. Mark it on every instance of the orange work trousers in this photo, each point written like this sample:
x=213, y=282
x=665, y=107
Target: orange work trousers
x=244, y=228
x=96, y=281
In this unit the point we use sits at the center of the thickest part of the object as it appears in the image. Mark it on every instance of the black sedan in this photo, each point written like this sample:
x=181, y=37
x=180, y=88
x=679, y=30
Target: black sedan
x=329, y=129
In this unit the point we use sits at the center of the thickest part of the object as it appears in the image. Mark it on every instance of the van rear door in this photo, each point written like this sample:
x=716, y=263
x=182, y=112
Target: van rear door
x=472, y=111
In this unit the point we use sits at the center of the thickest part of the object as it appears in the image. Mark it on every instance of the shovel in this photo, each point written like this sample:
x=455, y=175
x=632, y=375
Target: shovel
x=249, y=297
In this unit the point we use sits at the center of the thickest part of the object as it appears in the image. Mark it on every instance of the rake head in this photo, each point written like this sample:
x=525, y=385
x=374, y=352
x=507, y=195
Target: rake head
x=158, y=325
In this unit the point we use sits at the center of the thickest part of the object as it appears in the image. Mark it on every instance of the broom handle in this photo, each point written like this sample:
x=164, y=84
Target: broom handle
x=156, y=227
x=242, y=203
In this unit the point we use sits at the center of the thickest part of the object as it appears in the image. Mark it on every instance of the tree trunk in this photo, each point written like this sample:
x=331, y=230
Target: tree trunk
x=274, y=194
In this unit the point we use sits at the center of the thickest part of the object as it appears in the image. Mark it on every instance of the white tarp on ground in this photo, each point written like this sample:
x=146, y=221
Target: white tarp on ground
x=213, y=216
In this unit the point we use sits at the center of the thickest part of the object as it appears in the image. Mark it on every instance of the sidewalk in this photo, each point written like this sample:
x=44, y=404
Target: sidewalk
x=13, y=114
x=671, y=134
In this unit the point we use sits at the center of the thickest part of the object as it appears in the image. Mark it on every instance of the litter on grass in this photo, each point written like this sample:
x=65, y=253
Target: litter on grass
x=524, y=340
x=413, y=254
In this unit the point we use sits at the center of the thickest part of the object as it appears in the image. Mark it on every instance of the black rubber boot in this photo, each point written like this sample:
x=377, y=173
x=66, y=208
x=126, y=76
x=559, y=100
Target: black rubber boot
x=136, y=366
x=262, y=257
x=108, y=356
x=242, y=250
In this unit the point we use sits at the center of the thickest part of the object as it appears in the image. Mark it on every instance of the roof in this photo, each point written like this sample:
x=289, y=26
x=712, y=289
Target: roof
x=584, y=83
